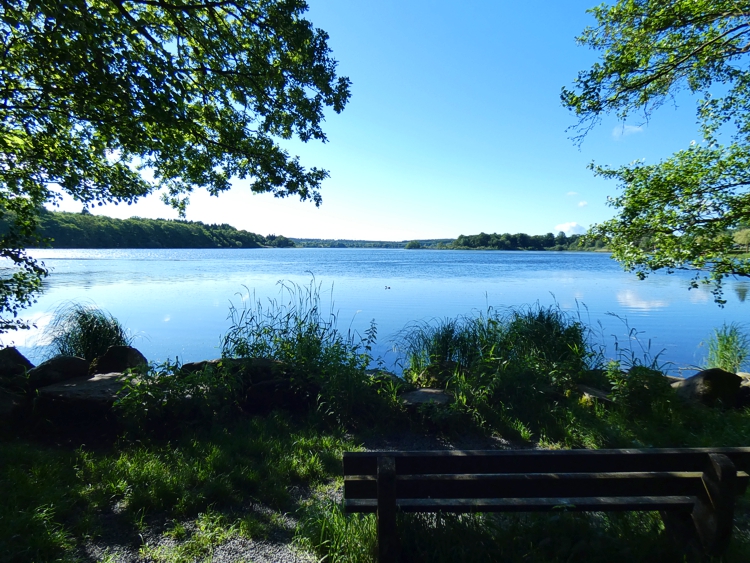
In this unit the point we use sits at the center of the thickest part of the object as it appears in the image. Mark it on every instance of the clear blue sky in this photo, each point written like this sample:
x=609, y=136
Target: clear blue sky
x=454, y=127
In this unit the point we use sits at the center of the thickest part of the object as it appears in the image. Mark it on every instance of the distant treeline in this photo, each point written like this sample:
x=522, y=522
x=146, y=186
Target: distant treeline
x=522, y=241
x=482, y=241
x=84, y=230
x=346, y=243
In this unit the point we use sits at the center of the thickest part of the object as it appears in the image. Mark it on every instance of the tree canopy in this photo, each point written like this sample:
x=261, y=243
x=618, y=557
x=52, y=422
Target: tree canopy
x=689, y=204
x=193, y=92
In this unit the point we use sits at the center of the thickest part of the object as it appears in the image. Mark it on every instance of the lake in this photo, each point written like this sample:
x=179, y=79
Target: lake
x=176, y=302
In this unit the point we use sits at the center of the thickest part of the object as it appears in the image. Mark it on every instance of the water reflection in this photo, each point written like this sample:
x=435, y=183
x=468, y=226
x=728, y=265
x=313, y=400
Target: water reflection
x=631, y=300
x=741, y=289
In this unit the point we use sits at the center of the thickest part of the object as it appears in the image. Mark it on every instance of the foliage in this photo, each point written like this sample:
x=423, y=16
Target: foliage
x=279, y=241
x=522, y=241
x=742, y=237
x=165, y=394
x=85, y=331
x=638, y=389
x=85, y=230
x=296, y=331
x=688, y=203
x=194, y=93
x=413, y=245
x=502, y=369
x=728, y=348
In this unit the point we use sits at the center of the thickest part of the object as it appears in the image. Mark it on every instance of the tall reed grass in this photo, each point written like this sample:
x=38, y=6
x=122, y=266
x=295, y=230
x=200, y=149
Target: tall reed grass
x=297, y=330
x=85, y=331
x=728, y=348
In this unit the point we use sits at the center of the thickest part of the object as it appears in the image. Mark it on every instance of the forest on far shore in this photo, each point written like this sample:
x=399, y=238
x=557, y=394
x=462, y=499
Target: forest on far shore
x=85, y=230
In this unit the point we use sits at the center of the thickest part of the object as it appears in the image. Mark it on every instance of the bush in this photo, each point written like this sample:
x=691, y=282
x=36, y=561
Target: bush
x=295, y=330
x=85, y=331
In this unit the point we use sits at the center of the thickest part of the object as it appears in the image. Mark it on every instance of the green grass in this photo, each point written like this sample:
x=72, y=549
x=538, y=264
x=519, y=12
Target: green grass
x=84, y=331
x=54, y=499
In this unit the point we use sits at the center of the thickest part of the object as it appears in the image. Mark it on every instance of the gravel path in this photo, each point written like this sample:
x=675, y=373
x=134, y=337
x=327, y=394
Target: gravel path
x=118, y=544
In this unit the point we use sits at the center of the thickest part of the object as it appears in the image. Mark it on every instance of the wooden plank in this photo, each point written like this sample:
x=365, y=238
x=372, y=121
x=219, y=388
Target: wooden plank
x=556, y=461
x=537, y=484
x=387, y=532
x=596, y=504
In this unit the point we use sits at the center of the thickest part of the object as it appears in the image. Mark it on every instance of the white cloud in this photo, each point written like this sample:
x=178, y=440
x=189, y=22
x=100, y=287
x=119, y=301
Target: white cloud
x=583, y=203
x=572, y=193
x=625, y=130
x=570, y=228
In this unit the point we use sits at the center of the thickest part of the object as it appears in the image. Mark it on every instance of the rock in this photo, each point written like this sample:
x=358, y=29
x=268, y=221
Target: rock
x=593, y=393
x=252, y=370
x=426, y=395
x=710, y=387
x=13, y=364
x=9, y=403
x=743, y=396
x=100, y=389
x=118, y=359
x=57, y=369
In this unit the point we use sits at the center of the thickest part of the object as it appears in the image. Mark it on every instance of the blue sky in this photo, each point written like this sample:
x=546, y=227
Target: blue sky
x=454, y=127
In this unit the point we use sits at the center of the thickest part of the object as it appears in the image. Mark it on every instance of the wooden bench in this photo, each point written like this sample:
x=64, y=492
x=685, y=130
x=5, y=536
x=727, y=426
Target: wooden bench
x=694, y=488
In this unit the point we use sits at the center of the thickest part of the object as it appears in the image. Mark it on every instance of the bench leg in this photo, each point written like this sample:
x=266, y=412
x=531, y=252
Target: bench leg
x=714, y=513
x=387, y=535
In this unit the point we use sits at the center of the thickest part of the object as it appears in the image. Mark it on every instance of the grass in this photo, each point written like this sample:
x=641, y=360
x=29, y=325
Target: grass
x=728, y=348
x=84, y=331
x=191, y=475
x=55, y=500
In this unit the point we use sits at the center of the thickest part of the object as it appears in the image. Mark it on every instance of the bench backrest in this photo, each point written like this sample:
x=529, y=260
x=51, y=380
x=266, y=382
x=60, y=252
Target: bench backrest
x=482, y=474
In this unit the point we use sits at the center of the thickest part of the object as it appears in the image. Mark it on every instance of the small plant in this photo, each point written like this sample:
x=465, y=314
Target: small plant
x=728, y=348
x=640, y=389
x=165, y=393
x=85, y=331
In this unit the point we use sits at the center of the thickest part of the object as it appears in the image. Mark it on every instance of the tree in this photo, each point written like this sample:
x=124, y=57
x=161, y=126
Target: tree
x=413, y=245
x=196, y=92
x=742, y=237
x=687, y=204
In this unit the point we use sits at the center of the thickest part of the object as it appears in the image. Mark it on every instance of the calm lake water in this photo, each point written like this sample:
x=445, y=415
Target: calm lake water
x=176, y=302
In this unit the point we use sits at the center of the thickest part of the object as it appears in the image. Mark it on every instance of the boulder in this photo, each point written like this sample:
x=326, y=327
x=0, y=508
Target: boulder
x=743, y=397
x=424, y=396
x=56, y=370
x=9, y=403
x=100, y=390
x=118, y=359
x=590, y=393
x=252, y=370
x=13, y=364
x=711, y=387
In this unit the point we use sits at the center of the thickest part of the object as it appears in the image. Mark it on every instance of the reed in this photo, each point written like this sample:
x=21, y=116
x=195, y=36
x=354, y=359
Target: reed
x=85, y=331
x=728, y=348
